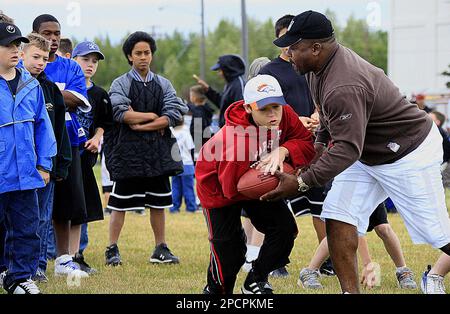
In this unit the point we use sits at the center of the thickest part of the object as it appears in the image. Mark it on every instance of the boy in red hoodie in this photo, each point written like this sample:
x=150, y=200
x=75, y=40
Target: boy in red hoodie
x=261, y=131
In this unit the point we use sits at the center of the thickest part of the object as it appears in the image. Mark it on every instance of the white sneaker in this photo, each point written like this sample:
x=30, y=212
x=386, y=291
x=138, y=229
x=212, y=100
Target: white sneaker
x=25, y=287
x=309, y=279
x=432, y=284
x=64, y=266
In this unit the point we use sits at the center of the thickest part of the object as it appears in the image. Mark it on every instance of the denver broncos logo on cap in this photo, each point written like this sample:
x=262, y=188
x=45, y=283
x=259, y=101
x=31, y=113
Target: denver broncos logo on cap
x=265, y=88
x=11, y=29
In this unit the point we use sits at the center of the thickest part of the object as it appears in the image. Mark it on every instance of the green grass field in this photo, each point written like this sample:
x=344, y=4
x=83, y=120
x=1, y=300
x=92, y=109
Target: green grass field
x=187, y=238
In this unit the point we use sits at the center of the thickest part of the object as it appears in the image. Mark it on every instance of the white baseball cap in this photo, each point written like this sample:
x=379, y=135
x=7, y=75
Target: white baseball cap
x=263, y=90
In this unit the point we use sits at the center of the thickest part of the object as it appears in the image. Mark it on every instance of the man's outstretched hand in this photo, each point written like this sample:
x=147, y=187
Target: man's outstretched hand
x=287, y=187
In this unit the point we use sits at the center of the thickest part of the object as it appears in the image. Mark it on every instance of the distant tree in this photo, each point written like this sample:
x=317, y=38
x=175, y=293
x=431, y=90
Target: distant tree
x=447, y=73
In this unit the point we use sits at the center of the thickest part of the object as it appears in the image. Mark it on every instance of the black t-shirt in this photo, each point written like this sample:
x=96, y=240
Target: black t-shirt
x=14, y=82
x=294, y=86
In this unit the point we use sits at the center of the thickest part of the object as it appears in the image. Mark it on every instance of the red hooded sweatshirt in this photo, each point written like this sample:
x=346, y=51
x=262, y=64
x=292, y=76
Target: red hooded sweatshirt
x=229, y=153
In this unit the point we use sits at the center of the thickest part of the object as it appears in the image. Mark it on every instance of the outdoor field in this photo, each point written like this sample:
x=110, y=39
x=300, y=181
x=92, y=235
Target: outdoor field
x=187, y=238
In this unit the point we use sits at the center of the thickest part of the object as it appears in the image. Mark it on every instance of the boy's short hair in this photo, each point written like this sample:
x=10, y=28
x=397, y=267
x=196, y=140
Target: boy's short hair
x=66, y=46
x=5, y=18
x=133, y=39
x=283, y=22
x=198, y=90
x=44, y=18
x=38, y=41
x=439, y=116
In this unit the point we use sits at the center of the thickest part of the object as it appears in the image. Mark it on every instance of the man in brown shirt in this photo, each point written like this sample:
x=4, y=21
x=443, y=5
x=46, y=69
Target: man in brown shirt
x=382, y=146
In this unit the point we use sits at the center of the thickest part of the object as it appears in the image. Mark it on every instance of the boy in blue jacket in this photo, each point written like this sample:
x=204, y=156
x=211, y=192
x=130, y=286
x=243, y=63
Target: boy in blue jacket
x=27, y=145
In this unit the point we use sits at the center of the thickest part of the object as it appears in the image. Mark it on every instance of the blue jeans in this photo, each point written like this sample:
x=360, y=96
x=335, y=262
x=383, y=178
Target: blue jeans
x=183, y=186
x=51, y=243
x=2, y=247
x=84, y=239
x=45, y=198
x=19, y=211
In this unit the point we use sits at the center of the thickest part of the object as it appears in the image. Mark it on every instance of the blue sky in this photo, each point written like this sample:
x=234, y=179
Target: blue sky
x=84, y=19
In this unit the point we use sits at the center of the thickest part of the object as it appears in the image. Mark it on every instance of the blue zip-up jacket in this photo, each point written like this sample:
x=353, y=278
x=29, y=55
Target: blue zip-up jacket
x=26, y=135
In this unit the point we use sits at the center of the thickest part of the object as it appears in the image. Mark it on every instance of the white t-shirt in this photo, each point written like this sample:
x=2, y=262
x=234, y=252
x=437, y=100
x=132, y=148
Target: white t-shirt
x=185, y=143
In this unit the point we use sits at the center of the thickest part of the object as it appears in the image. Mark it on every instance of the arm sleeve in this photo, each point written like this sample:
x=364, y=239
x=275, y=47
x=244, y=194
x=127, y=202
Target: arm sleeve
x=119, y=100
x=173, y=108
x=45, y=141
x=103, y=117
x=214, y=96
x=76, y=85
x=345, y=108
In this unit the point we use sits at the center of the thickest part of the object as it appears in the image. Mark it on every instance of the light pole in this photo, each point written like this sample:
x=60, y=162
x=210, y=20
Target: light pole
x=202, y=43
x=244, y=35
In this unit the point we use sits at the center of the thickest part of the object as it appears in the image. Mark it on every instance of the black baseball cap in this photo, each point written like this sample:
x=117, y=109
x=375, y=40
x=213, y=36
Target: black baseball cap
x=306, y=25
x=9, y=33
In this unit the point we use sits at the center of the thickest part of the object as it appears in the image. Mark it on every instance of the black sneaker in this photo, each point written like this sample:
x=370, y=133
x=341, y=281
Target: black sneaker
x=79, y=259
x=254, y=286
x=280, y=273
x=26, y=286
x=162, y=255
x=112, y=255
x=326, y=269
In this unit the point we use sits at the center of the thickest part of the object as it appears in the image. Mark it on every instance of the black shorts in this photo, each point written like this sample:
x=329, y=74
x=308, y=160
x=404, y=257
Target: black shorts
x=310, y=202
x=378, y=217
x=69, y=202
x=139, y=193
x=94, y=208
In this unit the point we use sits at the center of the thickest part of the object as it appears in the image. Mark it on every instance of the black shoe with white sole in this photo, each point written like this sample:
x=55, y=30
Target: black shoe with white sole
x=253, y=285
x=112, y=256
x=26, y=286
x=163, y=255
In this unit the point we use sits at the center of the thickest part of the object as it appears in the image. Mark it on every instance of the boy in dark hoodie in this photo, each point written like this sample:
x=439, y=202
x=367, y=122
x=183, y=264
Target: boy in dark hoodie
x=231, y=68
x=258, y=129
x=34, y=59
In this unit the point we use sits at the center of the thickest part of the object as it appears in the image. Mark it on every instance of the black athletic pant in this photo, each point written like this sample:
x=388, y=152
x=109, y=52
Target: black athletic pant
x=228, y=242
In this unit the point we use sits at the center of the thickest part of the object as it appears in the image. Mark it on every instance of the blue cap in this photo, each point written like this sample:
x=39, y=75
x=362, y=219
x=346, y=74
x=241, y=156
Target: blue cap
x=215, y=67
x=85, y=48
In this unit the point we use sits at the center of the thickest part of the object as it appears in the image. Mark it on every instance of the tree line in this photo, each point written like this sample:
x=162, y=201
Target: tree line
x=178, y=55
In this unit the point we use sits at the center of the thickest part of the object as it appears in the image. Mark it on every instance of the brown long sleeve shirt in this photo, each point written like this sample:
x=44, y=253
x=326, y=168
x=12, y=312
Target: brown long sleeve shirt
x=364, y=115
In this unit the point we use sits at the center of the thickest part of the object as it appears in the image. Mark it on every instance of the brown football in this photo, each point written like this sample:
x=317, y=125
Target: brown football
x=254, y=183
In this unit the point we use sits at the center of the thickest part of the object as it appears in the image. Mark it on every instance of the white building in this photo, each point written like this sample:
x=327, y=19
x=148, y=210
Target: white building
x=419, y=46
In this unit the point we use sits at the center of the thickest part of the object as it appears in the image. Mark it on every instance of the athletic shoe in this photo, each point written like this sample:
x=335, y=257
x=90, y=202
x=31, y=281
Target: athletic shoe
x=254, y=286
x=112, y=255
x=2, y=277
x=405, y=278
x=140, y=212
x=40, y=276
x=26, y=286
x=107, y=211
x=432, y=284
x=309, y=279
x=64, y=266
x=162, y=255
x=79, y=259
x=279, y=273
x=326, y=269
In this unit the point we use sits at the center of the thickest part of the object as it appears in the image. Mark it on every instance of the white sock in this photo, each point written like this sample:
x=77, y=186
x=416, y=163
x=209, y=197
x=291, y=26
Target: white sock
x=252, y=252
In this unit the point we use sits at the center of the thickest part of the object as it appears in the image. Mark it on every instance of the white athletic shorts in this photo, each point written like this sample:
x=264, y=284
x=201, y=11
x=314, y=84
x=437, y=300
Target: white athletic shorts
x=414, y=183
